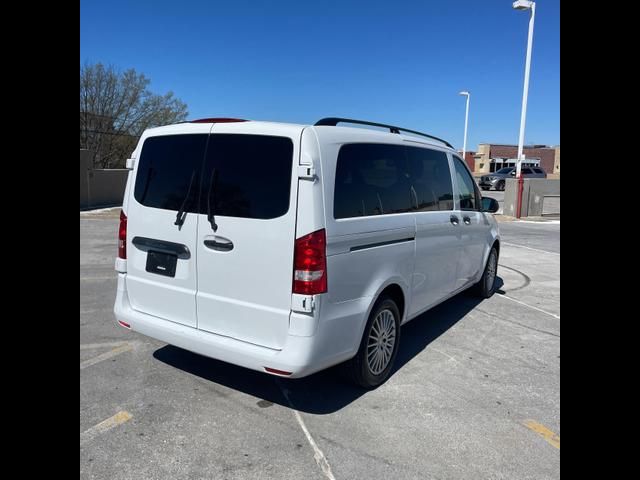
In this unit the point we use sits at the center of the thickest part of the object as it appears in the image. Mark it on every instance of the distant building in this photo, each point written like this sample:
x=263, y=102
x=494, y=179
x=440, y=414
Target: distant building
x=491, y=157
x=469, y=158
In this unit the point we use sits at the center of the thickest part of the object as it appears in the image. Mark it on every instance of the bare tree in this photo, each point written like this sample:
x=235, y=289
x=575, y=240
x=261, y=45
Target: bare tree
x=115, y=108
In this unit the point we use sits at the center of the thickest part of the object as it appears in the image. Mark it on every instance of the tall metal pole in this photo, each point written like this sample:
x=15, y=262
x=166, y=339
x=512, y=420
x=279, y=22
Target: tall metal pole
x=524, y=110
x=466, y=122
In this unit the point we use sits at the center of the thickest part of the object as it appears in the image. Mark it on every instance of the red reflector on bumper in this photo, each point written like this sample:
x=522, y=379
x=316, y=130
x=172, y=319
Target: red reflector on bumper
x=277, y=372
x=125, y=325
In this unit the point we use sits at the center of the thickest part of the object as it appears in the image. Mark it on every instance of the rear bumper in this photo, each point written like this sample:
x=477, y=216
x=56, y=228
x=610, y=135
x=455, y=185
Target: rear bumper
x=300, y=355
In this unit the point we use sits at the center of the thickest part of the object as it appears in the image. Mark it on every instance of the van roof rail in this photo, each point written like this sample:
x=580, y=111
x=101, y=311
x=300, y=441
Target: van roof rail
x=333, y=121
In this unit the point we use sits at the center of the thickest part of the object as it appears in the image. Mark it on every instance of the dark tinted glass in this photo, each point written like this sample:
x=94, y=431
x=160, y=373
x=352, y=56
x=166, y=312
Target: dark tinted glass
x=168, y=167
x=505, y=170
x=538, y=170
x=467, y=191
x=430, y=178
x=252, y=175
x=371, y=179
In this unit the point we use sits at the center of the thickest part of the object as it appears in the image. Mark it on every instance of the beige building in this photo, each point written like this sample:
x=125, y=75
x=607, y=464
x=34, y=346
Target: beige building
x=556, y=161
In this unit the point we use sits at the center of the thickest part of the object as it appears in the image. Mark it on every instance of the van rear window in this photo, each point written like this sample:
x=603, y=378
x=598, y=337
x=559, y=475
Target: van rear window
x=252, y=174
x=168, y=165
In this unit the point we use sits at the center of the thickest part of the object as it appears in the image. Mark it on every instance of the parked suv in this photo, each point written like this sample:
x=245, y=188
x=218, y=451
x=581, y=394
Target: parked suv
x=291, y=248
x=498, y=179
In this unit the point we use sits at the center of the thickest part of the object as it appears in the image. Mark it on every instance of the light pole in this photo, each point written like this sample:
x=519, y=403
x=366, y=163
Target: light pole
x=466, y=122
x=524, y=5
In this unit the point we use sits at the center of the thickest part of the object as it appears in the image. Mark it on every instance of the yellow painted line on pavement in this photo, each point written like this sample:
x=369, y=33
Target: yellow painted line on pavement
x=544, y=432
x=104, y=426
x=105, y=356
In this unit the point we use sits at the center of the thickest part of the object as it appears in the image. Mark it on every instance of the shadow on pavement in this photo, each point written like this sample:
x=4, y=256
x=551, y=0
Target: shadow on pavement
x=323, y=392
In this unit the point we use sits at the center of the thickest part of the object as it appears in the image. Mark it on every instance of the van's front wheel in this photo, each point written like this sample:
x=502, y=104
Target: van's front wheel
x=379, y=346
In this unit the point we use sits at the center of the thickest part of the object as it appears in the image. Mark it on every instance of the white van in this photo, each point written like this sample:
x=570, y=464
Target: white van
x=291, y=248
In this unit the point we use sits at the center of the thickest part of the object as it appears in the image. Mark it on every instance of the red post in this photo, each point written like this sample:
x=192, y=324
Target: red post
x=520, y=188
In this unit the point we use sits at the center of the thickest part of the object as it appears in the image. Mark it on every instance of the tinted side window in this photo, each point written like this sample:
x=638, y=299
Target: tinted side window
x=168, y=166
x=371, y=179
x=467, y=193
x=538, y=170
x=430, y=178
x=526, y=171
x=252, y=175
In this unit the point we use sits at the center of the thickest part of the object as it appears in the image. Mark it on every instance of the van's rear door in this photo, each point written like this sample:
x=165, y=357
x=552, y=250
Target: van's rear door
x=161, y=256
x=245, y=261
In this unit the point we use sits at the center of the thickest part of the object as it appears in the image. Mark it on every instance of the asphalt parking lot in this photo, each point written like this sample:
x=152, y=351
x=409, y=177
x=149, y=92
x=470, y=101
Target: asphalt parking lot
x=476, y=392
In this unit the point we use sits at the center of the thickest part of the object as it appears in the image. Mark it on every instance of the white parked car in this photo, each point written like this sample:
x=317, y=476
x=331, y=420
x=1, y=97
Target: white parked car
x=291, y=248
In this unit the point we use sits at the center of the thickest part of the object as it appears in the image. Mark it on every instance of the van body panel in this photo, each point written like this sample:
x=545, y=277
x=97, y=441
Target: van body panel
x=230, y=297
x=171, y=298
x=245, y=293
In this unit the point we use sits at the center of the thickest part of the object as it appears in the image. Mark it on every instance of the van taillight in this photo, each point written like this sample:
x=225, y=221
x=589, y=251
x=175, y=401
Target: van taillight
x=122, y=236
x=310, y=264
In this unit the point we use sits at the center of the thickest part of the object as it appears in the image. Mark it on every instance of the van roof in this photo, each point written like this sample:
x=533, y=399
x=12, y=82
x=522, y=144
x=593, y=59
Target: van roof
x=325, y=123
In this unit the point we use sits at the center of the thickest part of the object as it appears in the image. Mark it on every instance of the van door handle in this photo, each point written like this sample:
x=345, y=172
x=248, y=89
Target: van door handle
x=219, y=246
x=453, y=219
x=466, y=220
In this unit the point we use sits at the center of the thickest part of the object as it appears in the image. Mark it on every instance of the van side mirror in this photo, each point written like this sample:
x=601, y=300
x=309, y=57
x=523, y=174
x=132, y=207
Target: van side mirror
x=490, y=205
x=513, y=173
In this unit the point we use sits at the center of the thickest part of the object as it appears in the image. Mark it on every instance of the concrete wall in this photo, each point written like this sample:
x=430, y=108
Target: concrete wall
x=540, y=196
x=100, y=188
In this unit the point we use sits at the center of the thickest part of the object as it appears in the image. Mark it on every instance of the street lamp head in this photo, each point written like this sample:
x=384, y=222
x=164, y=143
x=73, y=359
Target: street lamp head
x=464, y=92
x=523, y=4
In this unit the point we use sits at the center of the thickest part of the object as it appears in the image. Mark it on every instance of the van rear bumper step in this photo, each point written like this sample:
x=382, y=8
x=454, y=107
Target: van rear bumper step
x=299, y=354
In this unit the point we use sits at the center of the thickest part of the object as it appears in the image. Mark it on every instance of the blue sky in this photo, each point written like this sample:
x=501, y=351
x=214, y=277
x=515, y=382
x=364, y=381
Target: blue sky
x=297, y=61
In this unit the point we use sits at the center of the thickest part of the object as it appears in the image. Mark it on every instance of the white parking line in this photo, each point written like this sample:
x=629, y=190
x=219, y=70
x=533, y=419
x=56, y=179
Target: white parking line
x=530, y=306
x=104, y=426
x=543, y=222
x=319, y=457
x=529, y=248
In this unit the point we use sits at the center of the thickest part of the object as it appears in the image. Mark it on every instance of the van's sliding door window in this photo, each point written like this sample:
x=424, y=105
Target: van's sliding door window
x=371, y=179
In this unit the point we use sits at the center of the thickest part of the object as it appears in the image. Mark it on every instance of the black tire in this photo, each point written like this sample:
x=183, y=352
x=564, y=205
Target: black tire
x=485, y=188
x=358, y=369
x=500, y=186
x=486, y=287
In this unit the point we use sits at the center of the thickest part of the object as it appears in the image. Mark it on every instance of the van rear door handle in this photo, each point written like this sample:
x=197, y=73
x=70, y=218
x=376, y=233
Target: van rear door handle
x=453, y=219
x=219, y=246
x=466, y=220
x=152, y=244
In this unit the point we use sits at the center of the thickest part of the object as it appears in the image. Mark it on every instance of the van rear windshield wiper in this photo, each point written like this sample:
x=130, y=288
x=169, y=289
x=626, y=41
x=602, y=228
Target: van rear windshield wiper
x=210, y=215
x=181, y=215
